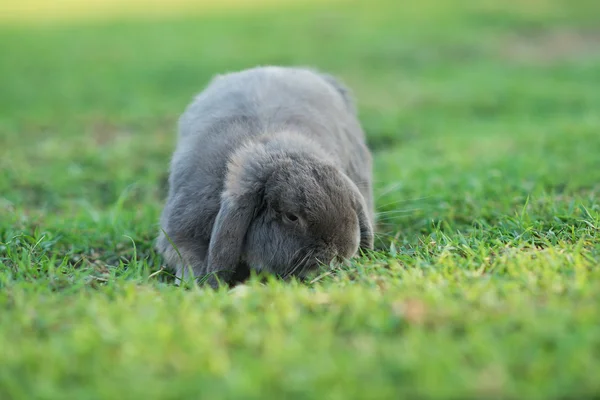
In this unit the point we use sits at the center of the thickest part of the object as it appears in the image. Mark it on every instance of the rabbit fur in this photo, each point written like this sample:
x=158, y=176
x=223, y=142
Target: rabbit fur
x=271, y=172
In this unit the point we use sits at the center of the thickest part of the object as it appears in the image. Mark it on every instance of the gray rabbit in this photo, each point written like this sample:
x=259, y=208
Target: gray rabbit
x=271, y=172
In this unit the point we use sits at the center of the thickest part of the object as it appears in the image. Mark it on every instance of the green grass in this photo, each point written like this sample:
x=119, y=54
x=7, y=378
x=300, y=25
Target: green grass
x=485, y=126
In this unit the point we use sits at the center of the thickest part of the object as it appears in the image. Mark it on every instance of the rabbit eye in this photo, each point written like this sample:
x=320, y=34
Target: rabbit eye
x=290, y=217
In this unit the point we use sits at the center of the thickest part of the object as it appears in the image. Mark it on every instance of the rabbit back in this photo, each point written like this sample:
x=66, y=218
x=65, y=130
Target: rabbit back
x=238, y=105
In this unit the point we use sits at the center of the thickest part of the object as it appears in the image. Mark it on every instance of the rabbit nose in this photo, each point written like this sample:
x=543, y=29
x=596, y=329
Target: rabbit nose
x=334, y=255
x=339, y=257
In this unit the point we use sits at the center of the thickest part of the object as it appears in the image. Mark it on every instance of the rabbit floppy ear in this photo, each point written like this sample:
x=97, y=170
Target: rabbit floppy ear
x=228, y=234
x=366, y=228
x=364, y=221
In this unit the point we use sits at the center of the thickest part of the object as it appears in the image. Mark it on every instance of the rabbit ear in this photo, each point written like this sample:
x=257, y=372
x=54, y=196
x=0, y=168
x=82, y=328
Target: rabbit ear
x=228, y=233
x=366, y=228
x=364, y=221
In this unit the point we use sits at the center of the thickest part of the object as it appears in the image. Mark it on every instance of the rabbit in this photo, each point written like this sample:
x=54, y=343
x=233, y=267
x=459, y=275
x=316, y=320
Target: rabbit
x=271, y=172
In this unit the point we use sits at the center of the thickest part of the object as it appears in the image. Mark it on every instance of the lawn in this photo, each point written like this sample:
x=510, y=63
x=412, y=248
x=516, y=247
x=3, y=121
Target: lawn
x=484, y=121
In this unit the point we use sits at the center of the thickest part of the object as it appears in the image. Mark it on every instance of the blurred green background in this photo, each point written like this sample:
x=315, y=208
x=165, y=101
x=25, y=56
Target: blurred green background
x=484, y=121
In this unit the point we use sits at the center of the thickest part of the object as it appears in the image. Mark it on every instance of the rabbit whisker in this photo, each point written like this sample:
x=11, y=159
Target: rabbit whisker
x=396, y=212
x=390, y=189
x=393, y=203
x=301, y=264
x=306, y=263
x=296, y=260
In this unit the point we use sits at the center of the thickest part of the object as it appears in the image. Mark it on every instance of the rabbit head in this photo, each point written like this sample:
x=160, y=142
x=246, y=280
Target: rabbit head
x=286, y=209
